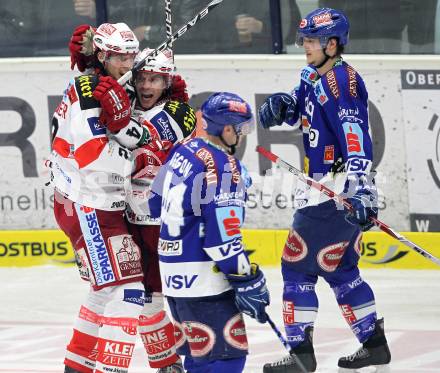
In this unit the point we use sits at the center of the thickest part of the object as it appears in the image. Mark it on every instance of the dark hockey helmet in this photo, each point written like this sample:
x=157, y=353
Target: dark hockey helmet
x=225, y=108
x=324, y=23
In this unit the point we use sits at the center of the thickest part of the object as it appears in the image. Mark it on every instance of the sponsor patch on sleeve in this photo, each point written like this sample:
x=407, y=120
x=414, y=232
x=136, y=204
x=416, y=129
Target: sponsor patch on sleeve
x=354, y=138
x=229, y=220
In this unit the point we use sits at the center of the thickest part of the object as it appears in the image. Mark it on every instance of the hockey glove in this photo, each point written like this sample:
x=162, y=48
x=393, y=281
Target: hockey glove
x=115, y=103
x=178, y=89
x=364, y=203
x=81, y=47
x=149, y=158
x=277, y=109
x=251, y=293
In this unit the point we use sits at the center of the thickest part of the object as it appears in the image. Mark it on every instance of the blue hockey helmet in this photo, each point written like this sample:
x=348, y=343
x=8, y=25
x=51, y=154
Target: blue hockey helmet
x=324, y=23
x=225, y=108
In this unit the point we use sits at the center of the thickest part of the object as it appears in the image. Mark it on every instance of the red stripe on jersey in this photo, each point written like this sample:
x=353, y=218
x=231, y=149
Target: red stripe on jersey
x=90, y=151
x=62, y=147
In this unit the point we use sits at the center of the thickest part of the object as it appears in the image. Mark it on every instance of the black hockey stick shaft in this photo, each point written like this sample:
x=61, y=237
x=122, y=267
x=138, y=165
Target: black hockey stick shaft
x=286, y=344
x=202, y=14
x=336, y=197
x=168, y=22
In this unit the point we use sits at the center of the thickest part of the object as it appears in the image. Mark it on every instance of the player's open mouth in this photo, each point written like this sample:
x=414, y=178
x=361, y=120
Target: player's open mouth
x=146, y=96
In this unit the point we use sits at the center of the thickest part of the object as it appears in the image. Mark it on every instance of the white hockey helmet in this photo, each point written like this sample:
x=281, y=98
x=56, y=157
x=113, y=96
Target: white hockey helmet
x=161, y=64
x=115, y=38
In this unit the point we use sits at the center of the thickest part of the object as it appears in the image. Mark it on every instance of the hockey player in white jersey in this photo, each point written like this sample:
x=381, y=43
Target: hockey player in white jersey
x=87, y=172
x=160, y=116
x=167, y=122
x=200, y=196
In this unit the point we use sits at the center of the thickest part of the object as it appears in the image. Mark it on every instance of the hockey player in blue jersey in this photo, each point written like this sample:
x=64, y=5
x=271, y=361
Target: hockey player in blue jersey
x=330, y=107
x=200, y=196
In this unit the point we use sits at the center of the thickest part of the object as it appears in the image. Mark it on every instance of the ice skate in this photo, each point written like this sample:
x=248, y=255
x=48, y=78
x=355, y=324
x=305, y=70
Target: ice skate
x=176, y=367
x=374, y=352
x=288, y=364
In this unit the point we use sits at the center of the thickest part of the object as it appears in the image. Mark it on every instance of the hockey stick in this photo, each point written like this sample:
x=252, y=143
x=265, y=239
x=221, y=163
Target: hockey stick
x=124, y=78
x=286, y=344
x=168, y=21
x=336, y=197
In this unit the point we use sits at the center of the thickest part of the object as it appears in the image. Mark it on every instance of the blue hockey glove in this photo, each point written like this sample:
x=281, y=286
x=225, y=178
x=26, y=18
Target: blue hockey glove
x=251, y=293
x=276, y=109
x=364, y=203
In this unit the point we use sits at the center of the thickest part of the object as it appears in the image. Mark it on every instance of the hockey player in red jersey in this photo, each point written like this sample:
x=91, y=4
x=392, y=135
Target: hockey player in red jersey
x=86, y=171
x=159, y=117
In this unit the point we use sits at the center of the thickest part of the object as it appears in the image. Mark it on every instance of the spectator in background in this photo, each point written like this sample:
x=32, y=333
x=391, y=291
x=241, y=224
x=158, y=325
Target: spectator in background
x=37, y=28
x=376, y=25
x=419, y=18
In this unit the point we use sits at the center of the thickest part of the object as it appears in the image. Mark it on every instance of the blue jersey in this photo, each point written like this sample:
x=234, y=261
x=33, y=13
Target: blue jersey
x=333, y=113
x=199, y=195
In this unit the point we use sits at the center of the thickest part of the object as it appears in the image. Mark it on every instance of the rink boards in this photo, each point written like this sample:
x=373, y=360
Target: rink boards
x=378, y=250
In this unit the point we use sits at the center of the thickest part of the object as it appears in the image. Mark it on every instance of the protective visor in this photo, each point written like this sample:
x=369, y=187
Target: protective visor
x=245, y=128
x=116, y=59
x=311, y=42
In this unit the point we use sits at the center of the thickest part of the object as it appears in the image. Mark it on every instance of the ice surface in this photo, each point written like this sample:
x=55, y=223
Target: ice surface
x=38, y=305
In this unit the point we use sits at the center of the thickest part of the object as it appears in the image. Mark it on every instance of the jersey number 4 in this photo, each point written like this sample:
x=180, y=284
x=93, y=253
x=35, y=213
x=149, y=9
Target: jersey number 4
x=172, y=209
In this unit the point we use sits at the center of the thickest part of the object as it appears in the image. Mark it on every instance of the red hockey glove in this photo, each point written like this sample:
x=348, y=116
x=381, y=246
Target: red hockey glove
x=149, y=158
x=115, y=103
x=81, y=47
x=178, y=89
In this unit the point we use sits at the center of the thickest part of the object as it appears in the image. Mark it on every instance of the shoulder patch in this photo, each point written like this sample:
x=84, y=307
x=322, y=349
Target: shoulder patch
x=183, y=114
x=320, y=93
x=352, y=82
x=84, y=85
x=208, y=159
x=309, y=75
x=332, y=83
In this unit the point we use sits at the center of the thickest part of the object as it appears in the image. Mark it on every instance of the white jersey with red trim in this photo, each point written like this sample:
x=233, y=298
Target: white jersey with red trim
x=87, y=166
x=169, y=120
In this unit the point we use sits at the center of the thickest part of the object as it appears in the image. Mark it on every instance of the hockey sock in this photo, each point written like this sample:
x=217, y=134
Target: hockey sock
x=356, y=301
x=157, y=334
x=300, y=307
x=118, y=332
x=81, y=350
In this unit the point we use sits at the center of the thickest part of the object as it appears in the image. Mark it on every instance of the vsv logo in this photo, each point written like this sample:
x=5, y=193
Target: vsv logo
x=180, y=281
x=358, y=165
x=230, y=248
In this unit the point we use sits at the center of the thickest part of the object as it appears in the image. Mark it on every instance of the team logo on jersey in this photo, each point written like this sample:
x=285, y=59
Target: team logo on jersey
x=330, y=256
x=358, y=165
x=295, y=248
x=354, y=138
x=229, y=220
x=201, y=338
x=234, y=332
